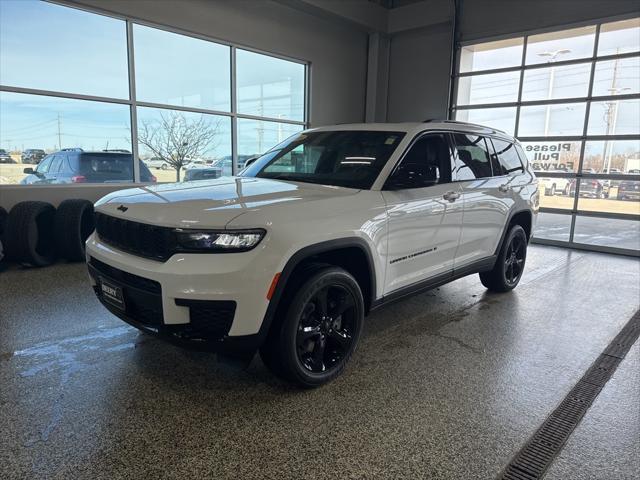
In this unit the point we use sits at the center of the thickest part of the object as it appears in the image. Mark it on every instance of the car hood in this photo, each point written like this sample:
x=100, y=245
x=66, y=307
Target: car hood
x=210, y=203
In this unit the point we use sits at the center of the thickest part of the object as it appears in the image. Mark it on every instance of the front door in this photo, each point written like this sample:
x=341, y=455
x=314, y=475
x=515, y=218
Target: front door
x=425, y=212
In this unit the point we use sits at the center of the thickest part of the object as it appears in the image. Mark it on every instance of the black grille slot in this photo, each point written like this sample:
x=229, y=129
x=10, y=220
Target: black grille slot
x=134, y=237
x=209, y=320
x=150, y=286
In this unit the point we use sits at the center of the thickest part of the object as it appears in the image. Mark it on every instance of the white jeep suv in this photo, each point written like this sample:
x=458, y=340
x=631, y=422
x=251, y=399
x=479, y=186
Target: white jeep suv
x=290, y=256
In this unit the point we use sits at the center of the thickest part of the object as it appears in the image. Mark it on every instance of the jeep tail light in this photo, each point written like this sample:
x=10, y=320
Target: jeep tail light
x=78, y=179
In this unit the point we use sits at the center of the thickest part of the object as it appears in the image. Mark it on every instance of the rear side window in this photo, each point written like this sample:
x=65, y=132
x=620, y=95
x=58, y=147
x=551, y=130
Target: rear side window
x=522, y=155
x=507, y=157
x=55, y=165
x=472, y=157
x=107, y=167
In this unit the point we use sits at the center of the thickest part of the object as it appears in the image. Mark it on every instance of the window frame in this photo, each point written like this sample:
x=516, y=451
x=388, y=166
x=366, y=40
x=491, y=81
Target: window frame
x=133, y=103
x=497, y=157
x=583, y=136
x=411, y=143
x=490, y=152
x=447, y=137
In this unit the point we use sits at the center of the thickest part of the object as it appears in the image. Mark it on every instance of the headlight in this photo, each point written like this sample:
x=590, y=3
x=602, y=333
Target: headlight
x=218, y=241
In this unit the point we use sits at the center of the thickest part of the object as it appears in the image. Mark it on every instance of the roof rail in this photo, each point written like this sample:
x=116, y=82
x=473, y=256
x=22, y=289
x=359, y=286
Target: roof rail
x=459, y=122
x=116, y=150
x=76, y=149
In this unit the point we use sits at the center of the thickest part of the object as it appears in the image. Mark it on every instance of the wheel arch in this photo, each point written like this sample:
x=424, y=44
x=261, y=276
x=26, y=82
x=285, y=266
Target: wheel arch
x=524, y=218
x=353, y=254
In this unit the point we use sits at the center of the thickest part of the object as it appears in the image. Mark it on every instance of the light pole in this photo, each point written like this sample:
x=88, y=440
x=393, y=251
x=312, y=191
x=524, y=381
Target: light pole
x=551, y=58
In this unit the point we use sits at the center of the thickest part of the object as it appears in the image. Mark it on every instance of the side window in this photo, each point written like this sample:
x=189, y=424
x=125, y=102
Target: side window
x=55, y=164
x=522, y=155
x=472, y=157
x=44, y=165
x=507, y=155
x=427, y=163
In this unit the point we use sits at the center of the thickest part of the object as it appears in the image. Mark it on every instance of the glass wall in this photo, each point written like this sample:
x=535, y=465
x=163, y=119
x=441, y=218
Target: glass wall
x=72, y=101
x=572, y=97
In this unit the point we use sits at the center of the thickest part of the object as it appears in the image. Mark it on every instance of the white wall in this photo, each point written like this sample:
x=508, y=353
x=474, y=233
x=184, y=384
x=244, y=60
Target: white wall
x=418, y=80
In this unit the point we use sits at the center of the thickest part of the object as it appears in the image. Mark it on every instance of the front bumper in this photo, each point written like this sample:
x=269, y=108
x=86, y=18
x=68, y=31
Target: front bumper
x=194, y=298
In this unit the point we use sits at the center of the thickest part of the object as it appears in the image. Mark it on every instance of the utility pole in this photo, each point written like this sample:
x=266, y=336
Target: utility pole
x=59, y=134
x=552, y=57
x=611, y=117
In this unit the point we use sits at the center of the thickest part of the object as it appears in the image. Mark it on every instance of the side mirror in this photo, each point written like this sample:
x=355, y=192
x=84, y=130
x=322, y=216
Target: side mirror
x=28, y=171
x=407, y=177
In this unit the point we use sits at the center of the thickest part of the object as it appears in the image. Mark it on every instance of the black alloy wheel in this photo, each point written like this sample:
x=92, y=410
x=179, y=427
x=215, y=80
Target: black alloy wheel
x=318, y=327
x=325, y=330
x=507, y=271
x=514, y=260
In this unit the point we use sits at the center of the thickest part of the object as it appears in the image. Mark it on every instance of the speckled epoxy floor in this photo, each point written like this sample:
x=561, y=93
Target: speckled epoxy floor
x=448, y=384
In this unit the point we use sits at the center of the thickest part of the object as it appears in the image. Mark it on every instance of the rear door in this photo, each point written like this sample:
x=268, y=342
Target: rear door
x=487, y=197
x=424, y=213
x=54, y=169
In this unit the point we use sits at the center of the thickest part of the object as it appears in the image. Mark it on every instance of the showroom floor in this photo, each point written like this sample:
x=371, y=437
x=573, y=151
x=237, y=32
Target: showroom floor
x=448, y=384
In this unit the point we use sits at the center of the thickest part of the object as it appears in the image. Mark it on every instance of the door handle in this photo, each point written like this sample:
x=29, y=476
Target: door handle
x=451, y=196
x=504, y=188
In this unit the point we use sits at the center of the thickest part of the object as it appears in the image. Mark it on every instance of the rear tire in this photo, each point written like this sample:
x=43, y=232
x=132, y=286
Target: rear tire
x=320, y=328
x=507, y=272
x=73, y=224
x=29, y=235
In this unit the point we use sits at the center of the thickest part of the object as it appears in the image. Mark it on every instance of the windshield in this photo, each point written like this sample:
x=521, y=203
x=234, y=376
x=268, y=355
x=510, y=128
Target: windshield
x=351, y=159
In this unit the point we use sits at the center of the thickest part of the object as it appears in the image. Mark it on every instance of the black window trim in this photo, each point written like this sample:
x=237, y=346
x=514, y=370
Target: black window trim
x=489, y=146
x=495, y=152
x=418, y=136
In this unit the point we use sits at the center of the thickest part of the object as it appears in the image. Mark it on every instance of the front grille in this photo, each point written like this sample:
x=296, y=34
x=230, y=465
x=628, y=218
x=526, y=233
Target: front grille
x=142, y=283
x=134, y=237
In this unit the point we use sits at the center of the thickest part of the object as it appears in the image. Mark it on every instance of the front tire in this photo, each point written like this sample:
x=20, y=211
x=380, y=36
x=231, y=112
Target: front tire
x=507, y=272
x=319, y=331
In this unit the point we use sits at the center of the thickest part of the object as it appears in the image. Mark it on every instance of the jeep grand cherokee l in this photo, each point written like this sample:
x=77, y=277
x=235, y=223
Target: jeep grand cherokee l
x=289, y=257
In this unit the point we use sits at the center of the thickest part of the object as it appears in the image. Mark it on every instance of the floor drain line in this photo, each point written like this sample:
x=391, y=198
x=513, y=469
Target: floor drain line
x=533, y=460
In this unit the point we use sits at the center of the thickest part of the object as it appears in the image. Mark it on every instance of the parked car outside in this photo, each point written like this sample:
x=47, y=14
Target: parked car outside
x=554, y=186
x=78, y=166
x=590, y=187
x=201, y=173
x=198, y=162
x=225, y=163
x=5, y=157
x=290, y=256
x=32, y=155
x=157, y=163
x=629, y=190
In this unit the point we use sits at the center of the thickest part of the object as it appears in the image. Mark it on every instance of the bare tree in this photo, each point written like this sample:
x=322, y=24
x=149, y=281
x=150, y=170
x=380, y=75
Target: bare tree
x=177, y=139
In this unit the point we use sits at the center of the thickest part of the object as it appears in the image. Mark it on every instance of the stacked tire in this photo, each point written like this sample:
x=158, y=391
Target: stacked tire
x=3, y=223
x=74, y=222
x=36, y=233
